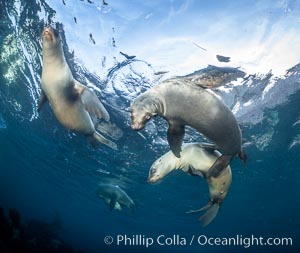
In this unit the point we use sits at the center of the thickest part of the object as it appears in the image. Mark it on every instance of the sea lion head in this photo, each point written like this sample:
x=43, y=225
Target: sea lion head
x=142, y=110
x=50, y=37
x=161, y=167
x=156, y=171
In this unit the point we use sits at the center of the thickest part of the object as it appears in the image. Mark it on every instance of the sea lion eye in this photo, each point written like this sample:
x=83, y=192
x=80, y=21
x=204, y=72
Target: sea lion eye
x=153, y=171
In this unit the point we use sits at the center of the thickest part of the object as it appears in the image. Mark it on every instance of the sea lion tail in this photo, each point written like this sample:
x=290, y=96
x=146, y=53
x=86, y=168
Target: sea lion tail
x=210, y=214
x=100, y=138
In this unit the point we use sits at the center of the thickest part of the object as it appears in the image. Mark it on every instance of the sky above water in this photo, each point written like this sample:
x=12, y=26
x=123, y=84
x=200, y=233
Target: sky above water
x=184, y=36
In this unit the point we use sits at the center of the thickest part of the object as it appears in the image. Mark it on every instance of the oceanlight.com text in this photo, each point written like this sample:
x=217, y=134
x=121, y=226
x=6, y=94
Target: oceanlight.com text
x=200, y=240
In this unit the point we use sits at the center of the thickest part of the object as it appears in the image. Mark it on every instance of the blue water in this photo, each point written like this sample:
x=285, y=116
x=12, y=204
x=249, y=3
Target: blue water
x=47, y=171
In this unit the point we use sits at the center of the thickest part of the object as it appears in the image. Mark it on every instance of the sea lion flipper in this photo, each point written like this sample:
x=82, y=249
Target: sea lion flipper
x=210, y=214
x=211, y=209
x=219, y=165
x=208, y=146
x=109, y=129
x=243, y=156
x=112, y=203
x=204, y=208
x=175, y=137
x=43, y=99
x=100, y=138
x=132, y=207
x=194, y=172
x=92, y=103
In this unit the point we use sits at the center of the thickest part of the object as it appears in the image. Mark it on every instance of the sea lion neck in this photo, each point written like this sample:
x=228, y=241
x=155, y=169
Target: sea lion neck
x=53, y=54
x=159, y=104
x=182, y=162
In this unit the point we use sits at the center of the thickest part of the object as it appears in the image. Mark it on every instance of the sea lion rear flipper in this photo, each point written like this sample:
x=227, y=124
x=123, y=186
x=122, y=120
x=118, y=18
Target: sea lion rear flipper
x=210, y=214
x=211, y=209
x=204, y=208
x=43, y=99
x=91, y=102
x=219, y=165
x=175, y=136
x=100, y=138
x=109, y=129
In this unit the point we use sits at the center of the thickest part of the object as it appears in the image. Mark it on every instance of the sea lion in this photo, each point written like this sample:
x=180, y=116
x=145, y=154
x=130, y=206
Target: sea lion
x=182, y=103
x=196, y=159
x=222, y=58
x=115, y=197
x=74, y=105
x=213, y=77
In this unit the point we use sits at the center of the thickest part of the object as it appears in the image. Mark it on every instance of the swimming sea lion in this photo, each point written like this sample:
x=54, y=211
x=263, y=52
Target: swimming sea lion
x=115, y=197
x=196, y=160
x=182, y=103
x=214, y=77
x=222, y=58
x=74, y=105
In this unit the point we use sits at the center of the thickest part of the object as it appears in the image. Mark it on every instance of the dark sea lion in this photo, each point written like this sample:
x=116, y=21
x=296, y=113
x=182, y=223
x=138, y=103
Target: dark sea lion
x=74, y=105
x=182, y=103
x=213, y=76
x=196, y=159
x=115, y=197
x=222, y=58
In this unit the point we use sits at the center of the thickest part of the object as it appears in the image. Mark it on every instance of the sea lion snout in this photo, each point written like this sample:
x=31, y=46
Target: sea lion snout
x=135, y=124
x=139, y=120
x=153, y=180
x=48, y=33
x=48, y=29
x=154, y=175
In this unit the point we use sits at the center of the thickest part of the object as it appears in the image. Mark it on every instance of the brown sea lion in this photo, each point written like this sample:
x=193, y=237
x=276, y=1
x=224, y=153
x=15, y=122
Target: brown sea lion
x=196, y=159
x=182, y=103
x=74, y=105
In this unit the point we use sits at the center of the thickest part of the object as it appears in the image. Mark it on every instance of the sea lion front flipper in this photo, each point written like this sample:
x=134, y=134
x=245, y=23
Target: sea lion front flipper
x=175, y=137
x=91, y=102
x=100, y=138
x=243, y=156
x=192, y=171
x=132, y=207
x=219, y=165
x=112, y=203
x=43, y=99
